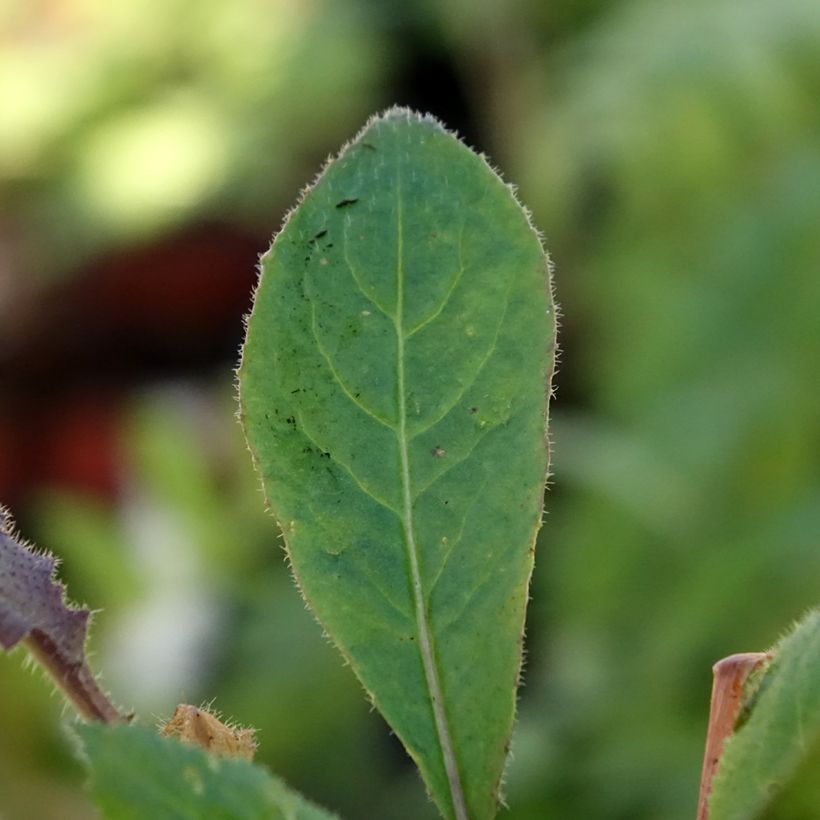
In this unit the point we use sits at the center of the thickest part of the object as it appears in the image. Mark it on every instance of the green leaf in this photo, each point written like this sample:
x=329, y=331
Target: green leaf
x=783, y=727
x=394, y=388
x=135, y=773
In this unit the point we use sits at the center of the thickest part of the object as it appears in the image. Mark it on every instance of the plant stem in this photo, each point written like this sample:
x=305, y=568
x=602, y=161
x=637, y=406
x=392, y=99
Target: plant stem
x=728, y=677
x=74, y=679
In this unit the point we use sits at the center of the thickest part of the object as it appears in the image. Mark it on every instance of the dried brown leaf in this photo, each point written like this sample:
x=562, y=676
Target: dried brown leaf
x=199, y=727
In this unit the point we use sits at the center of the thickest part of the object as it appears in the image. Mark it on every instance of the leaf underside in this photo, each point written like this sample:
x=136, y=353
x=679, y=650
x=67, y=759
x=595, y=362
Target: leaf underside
x=394, y=387
x=137, y=774
x=782, y=729
x=33, y=611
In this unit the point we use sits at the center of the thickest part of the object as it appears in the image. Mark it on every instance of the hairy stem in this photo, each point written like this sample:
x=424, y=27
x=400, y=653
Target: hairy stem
x=75, y=680
x=728, y=677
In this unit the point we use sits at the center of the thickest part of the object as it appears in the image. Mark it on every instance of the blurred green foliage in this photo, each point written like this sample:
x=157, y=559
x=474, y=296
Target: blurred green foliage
x=671, y=153
x=121, y=119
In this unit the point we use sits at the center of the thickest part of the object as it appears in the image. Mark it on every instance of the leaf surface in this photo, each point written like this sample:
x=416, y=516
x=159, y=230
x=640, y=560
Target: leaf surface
x=136, y=774
x=783, y=727
x=394, y=387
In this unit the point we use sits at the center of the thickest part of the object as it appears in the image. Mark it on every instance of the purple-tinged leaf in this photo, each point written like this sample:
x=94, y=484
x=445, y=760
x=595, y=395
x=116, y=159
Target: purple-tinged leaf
x=34, y=612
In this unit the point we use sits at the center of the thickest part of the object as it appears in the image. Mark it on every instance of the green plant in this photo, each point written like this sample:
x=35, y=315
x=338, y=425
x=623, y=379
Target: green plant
x=394, y=394
x=394, y=389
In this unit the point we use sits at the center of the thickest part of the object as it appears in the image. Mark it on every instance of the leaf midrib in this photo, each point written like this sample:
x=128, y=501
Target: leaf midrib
x=425, y=639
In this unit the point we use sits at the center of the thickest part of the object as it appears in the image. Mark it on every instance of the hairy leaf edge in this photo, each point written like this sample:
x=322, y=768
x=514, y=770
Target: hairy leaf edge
x=552, y=352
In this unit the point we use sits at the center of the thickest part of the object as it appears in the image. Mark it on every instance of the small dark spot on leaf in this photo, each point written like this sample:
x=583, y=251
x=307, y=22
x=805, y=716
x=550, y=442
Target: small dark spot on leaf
x=369, y=146
x=291, y=420
x=324, y=455
x=298, y=390
x=473, y=411
x=319, y=235
x=345, y=203
x=307, y=450
x=438, y=451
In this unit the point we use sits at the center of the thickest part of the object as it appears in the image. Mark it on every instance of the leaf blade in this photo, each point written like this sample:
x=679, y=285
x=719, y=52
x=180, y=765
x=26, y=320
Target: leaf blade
x=34, y=612
x=394, y=389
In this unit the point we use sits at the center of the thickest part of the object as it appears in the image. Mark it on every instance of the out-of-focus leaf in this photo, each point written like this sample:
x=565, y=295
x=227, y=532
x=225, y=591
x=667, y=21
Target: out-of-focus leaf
x=394, y=392
x=33, y=611
x=135, y=773
x=782, y=729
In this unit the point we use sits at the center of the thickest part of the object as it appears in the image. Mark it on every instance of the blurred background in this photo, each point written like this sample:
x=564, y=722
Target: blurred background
x=671, y=154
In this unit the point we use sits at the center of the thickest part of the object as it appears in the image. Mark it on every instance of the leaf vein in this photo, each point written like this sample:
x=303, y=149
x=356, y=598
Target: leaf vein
x=490, y=576
x=337, y=377
x=383, y=593
x=426, y=649
x=453, y=285
x=474, y=378
x=346, y=467
x=457, y=540
x=456, y=461
x=355, y=277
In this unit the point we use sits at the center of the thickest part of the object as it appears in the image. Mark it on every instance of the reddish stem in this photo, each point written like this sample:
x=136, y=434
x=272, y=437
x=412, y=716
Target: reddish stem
x=73, y=678
x=728, y=677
